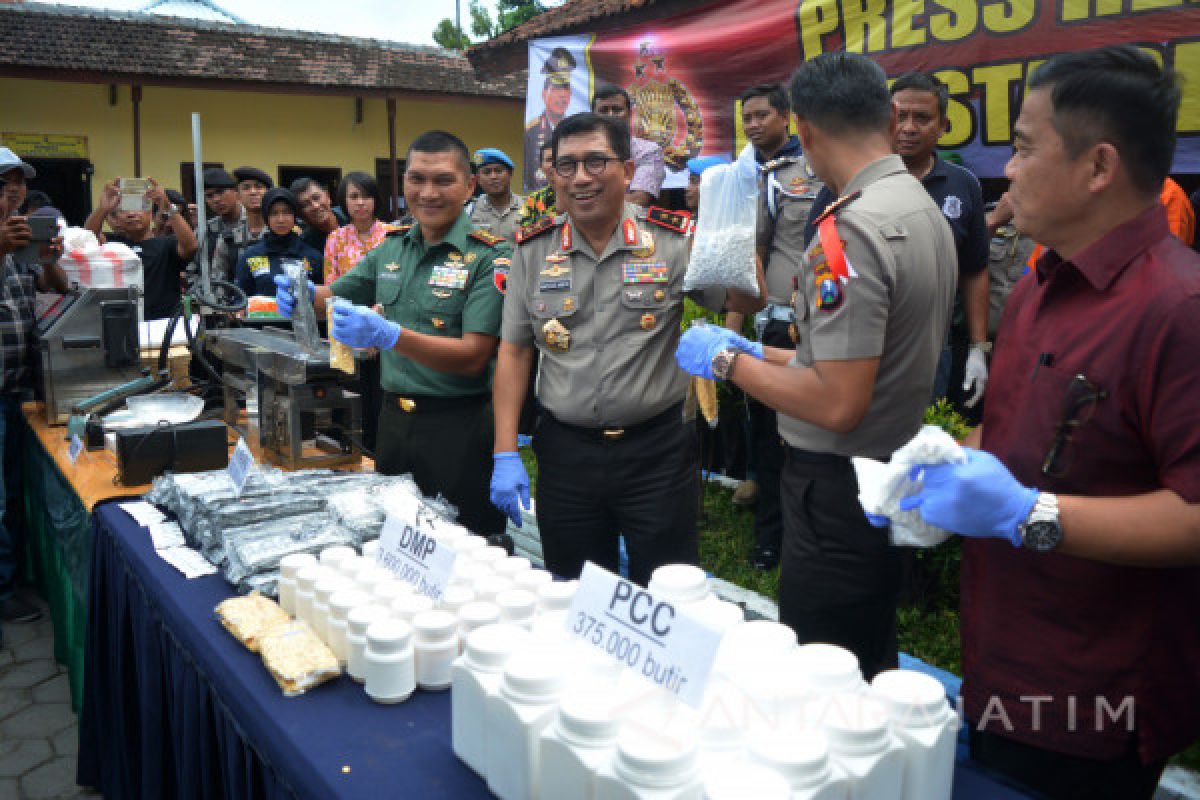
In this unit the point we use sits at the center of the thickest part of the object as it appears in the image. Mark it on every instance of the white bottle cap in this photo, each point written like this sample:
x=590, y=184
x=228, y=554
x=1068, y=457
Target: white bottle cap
x=801, y=755
x=407, y=606
x=912, y=699
x=307, y=577
x=370, y=577
x=360, y=618
x=451, y=535
x=743, y=781
x=532, y=579
x=587, y=717
x=434, y=627
x=513, y=566
x=532, y=677
x=333, y=556
x=717, y=614
x=387, y=592
x=352, y=567
x=341, y=603
x=854, y=723
x=516, y=605
x=655, y=758
x=752, y=644
x=370, y=549
x=292, y=563
x=475, y=614
x=557, y=596
x=492, y=586
x=826, y=668
x=389, y=636
x=327, y=585
x=678, y=583
x=490, y=554
x=466, y=573
x=488, y=647
x=455, y=597
x=470, y=545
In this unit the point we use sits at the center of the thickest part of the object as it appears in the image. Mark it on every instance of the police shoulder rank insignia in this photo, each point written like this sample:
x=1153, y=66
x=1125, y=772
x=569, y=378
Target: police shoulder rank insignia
x=397, y=230
x=538, y=227
x=838, y=205
x=487, y=237
x=678, y=221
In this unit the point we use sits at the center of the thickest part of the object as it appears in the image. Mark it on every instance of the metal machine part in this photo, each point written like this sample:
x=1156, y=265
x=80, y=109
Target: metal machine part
x=87, y=345
x=306, y=418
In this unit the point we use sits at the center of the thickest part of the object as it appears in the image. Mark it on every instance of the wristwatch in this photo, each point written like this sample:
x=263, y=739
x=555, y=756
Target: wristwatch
x=168, y=212
x=984, y=347
x=722, y=363
x=1041, y=531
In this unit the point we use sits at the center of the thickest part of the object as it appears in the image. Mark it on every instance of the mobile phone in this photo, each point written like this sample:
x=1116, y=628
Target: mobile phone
x=43, y=228
x=133, y=193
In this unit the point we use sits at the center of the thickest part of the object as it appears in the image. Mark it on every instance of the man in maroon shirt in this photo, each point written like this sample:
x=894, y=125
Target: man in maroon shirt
x=1081, y=573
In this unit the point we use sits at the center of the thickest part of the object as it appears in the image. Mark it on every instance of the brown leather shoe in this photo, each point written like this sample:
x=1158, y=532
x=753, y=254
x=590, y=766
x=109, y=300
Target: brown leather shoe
x=746, y=494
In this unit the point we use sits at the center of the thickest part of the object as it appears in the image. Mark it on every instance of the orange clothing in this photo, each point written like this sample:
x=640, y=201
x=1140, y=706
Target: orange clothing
x=343, y=249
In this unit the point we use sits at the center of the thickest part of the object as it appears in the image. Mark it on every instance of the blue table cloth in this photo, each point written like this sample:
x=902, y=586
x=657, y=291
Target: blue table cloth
x=175, y=707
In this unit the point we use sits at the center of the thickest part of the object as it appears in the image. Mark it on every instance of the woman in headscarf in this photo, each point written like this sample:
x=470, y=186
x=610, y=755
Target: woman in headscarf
x=280, y=242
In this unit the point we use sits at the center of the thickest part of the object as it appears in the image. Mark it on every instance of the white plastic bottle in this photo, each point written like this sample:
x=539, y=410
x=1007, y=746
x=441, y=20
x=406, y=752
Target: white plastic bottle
x=651, y=764
x=388, y=661
x=370, y=550
x=742, y=780
x=532, y=579
x=371, y=577
x=491, y=555
x=556, y=596
x=407, y=606
x=862, y=745
x=454, y=598
x=924, y=722
x=436, y=648
x=476, y=677
x=517, y=606
x=333, y=556
x=340, y=605
x=357, y=622
x=351, y=567
x=512, y=566
x=679, y=584
x=322, y=591
x=490, y=587
x=289, y=566
x=801, y=756
x=516, y=717
x=476, y=614
x=388, y=592
x=578, y=745
x=306, y=581
x=826, y=668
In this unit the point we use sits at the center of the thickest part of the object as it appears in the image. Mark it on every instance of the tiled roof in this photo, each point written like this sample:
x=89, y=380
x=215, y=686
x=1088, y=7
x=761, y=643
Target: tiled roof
x=35, y=37
x=506, y=52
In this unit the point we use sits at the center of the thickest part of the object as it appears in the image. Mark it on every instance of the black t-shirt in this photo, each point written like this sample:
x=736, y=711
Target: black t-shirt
x=161, y=267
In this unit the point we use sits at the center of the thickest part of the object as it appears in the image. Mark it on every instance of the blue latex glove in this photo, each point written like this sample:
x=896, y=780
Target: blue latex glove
x=510, y=485
x=980, y=498
x=700, y=343
x=877, y=520
x=285, y=300
x=359, y=326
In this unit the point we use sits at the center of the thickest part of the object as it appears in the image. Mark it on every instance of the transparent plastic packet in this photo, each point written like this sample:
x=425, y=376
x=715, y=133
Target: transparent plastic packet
x=259, y=548
x=724, y=244
x=304, y=318
x=248, y=618
x=341, y=356
x=265, y=583
x=296, y=658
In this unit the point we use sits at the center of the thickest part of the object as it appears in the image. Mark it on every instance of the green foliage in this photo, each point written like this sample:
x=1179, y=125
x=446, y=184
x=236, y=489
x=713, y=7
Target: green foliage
x=482, y=25
x=511, y=13
x=726, y=538
x=450, y=36
x=945, y=417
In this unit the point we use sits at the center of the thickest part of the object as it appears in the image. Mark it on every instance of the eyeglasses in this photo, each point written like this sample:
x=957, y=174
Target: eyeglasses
x=592, y=165
x=1078, y=408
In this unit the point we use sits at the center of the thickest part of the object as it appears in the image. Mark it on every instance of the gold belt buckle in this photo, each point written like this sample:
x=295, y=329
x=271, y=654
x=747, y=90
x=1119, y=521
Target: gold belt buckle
x=406, y=404
x=613, y=434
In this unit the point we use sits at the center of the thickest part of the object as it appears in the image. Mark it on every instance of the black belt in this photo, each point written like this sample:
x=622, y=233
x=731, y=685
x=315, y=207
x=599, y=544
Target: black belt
x=809, y=457
x=420, y=403
x=615, y=433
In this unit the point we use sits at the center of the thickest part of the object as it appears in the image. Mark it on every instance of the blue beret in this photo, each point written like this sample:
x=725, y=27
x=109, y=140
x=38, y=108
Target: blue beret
x=490, y=155
x=697, y=165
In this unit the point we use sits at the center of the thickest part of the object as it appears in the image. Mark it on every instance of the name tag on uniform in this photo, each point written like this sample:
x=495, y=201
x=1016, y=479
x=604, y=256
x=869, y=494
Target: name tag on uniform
x=449, y=276
x=559, y=285
x=636, y=271
x=258, y=264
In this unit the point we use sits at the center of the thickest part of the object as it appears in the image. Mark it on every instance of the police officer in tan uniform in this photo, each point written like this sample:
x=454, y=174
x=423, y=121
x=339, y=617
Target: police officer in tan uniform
x=872, y=301
x=598, y=291
x=497, y=209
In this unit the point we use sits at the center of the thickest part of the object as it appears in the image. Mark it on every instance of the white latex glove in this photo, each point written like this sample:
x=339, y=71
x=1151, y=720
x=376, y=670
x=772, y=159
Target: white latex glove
x=976, y=373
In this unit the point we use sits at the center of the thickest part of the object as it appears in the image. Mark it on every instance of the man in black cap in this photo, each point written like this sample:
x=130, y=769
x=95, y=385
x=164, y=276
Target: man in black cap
x=227, y=221
x=252, y=185
x=556, y=98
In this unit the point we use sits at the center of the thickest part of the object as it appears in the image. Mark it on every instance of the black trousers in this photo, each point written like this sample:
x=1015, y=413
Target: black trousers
x=447, y=446
x=840, y=580
x=644, y=486
x=768, y=454
x=1058, y=776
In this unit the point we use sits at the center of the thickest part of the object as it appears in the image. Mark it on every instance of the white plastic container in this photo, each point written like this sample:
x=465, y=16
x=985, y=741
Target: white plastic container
x=557, y=595
x=926, y=725
x=370, y=578
x=801, y=756
x=651, y=765
x=388, y=592
x=322, y=591
x=388, y=661
x=351, y=568
x=289, y=566
x=476, y=614
x=532, y=579
x=468, y=573
x=717, y=614
x=476, y=677
x=333, y=557
x=826, y=668
x=512, y=566
x=517, y=606
x=436, y=644
x=340, y=605
x=357, y=622
x=679, y=584
x=455, y=597
x=370, y=549
x=489, y=554
x=578, y=745
x=467, y=547
x=745, y=781
x=407, y=606
x=489, y=588
x=306, y=582
x=862, y=745
x=516, y=717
